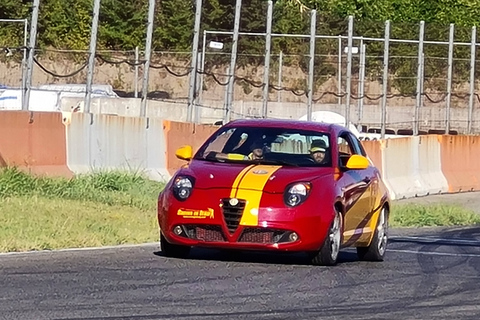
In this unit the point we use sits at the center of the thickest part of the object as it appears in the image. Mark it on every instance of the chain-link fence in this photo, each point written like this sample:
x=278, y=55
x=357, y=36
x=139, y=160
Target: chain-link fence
x=429, y=84
x=13, y=60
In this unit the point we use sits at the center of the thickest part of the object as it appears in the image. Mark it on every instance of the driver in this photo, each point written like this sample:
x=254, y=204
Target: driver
x=318, y=150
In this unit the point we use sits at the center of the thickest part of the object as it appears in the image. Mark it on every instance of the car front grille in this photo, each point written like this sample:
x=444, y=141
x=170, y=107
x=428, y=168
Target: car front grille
x=262, y=235
x=232, y=213
x=207, y=233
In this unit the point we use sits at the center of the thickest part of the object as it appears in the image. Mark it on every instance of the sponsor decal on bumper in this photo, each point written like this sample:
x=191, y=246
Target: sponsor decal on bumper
x=196, y=214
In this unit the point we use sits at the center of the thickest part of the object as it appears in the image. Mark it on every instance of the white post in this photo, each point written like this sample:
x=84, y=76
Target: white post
x=361, y=84
x=449, y=79
x=311, y=66
x=31, y=53
x=135, y=83
x=279, y=83
x=91, y=55
x=148, y=54
x=472, y=79
x=349, y=71
x=266, y=72
x=419, y=79
x=385, y=77
x=233, y=61
x=194, y=64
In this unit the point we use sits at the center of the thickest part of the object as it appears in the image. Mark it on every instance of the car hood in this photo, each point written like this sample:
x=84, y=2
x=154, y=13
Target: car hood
x=267, y=178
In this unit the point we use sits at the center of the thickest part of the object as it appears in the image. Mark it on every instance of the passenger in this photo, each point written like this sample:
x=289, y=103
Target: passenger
x=257, y=151
x=318, y=150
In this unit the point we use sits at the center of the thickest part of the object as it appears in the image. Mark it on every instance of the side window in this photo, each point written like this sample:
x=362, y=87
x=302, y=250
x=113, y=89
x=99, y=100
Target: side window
x=357, y=145
x=345, y=149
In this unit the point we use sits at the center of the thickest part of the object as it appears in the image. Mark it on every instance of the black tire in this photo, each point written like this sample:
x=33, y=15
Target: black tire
x=328, y=253
x=377, y=248
x=173, y=250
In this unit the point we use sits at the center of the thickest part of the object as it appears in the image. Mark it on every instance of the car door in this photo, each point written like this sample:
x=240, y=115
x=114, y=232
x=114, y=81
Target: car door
x=356, y=188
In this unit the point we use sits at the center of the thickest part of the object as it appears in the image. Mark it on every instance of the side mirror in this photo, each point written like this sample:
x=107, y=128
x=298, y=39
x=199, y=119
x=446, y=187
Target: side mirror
x=357, y=162
x=184, y=153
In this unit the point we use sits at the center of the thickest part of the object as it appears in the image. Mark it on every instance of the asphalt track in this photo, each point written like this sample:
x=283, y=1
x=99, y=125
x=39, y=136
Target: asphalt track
x=427, y=274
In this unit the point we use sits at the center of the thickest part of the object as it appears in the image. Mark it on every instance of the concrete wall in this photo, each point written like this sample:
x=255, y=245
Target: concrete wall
x=212, y=111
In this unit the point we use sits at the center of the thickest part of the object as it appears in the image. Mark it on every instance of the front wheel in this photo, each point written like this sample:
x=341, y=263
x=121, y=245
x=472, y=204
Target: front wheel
x=173, y=250
x=328, y=254
x=377, y=248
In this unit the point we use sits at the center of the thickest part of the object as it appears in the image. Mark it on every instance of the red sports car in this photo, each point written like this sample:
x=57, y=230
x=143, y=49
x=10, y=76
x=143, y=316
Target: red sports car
x=281, y=185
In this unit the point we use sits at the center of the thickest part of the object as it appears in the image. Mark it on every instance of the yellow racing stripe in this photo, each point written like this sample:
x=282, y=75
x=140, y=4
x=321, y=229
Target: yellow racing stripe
x=239, y=178
x=250, y=187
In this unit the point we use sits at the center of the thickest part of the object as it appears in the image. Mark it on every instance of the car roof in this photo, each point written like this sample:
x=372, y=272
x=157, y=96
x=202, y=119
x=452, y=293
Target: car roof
x=286, y=123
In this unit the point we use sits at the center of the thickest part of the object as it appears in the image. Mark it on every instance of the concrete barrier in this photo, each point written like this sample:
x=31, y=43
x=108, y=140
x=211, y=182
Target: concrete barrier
x=412, y=167
x=106, y=142
x=34, y=142
x=430, y=164
x=41, y=143
x=398, y=168
x=374, y=152
x=178, y=134
x=460, y=158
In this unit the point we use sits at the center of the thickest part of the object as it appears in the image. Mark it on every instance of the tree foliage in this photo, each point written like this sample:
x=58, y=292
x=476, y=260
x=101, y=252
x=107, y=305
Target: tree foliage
x=65, y=24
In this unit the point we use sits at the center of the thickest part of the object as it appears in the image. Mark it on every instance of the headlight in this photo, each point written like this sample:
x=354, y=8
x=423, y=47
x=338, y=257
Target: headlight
x=182, y=187
x=297, y=193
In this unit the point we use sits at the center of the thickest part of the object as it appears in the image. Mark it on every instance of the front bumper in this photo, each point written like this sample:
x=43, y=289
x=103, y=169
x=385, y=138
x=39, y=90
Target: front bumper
x=212, y=224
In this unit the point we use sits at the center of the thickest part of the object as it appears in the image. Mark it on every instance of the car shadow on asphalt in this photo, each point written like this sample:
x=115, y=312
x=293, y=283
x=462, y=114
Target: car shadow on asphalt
x=207, y=254
x=447, y=236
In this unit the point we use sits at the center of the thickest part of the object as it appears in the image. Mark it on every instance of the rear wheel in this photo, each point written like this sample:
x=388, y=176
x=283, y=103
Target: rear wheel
x=328, y=254
x=173, y=250
x=377, y=248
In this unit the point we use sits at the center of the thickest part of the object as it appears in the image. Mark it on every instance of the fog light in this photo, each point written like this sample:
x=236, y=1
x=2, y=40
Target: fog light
x=177, y=230
x=292, y=200
x=293, y=236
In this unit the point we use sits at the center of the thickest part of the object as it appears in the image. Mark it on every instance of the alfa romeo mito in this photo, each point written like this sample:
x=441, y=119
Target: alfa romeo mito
x=276, y=185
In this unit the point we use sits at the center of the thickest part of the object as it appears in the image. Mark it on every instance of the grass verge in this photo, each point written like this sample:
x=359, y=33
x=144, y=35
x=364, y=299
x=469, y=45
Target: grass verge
x=415, y=215
x=39, y=223
x=104, y=208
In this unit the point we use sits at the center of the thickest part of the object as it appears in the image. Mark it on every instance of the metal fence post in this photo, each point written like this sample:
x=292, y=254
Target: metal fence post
x=449, y=78
x=472, y=79
x=135, y=83
x=422, y=84
x=280, y=67
x=266, y=72
x=197, y=110
x=419, y=78
x=339, y=72
x=311, y=66
x=349, y=71
x=233, y=61
x=385, y=77
x=24, y=59
x=31, y=53
x=202, y=71
x=91, y=55
x=194, y=63
x=148, y=54
x=361, y=84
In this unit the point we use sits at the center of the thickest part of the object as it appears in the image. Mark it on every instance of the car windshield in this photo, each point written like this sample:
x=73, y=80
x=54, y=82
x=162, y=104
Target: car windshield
x=280, y=146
